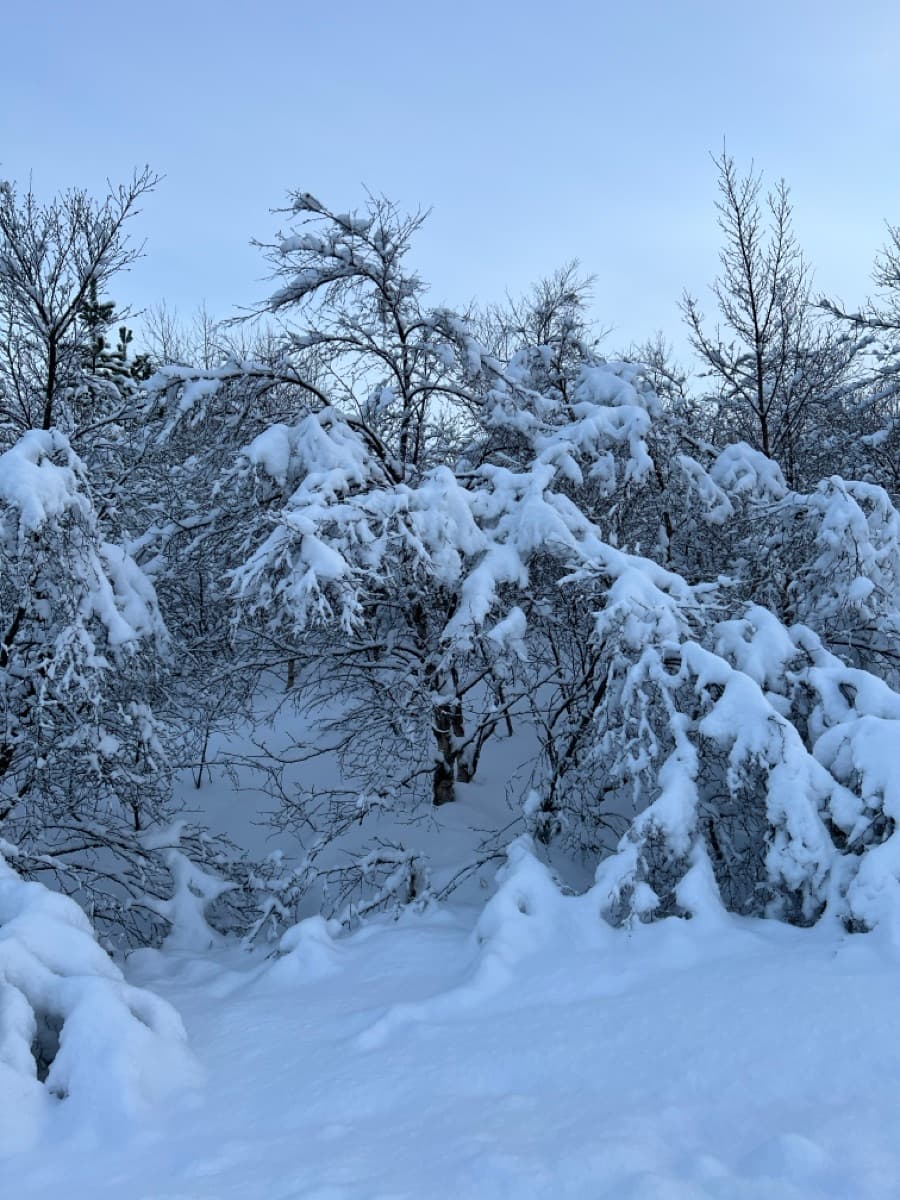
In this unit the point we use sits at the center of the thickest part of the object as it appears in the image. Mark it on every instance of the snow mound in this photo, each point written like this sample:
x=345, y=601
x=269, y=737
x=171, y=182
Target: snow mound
x=526, y=916
x=307, y=951
x=527, y=913
x=70, y=1026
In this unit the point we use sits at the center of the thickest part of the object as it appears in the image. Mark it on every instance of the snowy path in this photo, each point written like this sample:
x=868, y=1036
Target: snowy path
x=757, y=1062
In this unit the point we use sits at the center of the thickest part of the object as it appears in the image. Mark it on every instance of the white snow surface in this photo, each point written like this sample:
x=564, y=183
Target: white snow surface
x=528, y=1052
x=110, y=1050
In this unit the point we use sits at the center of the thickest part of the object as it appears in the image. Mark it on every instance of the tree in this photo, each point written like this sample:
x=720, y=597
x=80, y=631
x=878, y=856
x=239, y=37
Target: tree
x=775, y=368
x=372, y=371
x=871, y=424
x=402, y=622
x=395, y=368
x=55, y=260
x=82, y=769
x=759, y=764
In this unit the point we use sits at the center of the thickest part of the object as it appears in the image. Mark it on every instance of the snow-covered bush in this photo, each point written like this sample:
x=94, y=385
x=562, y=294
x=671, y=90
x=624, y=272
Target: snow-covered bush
x=70, y=1026
x=829, y=559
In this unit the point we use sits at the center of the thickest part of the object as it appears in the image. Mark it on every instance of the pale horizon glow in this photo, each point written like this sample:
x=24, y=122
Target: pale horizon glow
x=536, y=134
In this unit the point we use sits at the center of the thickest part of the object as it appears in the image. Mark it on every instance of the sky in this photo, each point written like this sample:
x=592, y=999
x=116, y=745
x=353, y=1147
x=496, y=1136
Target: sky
x=535, y=132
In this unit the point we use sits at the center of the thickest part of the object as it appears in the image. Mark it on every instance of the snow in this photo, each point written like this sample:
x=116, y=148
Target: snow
x=536, y=1053
x=742, y=471
x=109, y=1049
x=43, y=486
x=511, y=631
x=192, y=891
x=40, y=479
x=124, y=600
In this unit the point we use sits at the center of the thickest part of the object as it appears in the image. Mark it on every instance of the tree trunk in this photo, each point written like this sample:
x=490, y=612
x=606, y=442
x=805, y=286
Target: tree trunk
x=50, y=388
x=444, y=785
x=447, y=729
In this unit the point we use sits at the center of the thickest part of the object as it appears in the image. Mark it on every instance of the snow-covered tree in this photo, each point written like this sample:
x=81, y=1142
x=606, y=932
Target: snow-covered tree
x=431, y=493
x=82, y=769
x=349, y=300
x=756, y=764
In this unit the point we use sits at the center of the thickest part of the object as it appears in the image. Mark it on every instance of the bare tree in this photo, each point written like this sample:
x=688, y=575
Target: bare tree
x=202, y=340
x=873, y=411
x=53, y=256
x=881, y=315
x=774, y=365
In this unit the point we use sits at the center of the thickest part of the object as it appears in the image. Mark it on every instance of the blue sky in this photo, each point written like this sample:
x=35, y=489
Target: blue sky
x=536, y=132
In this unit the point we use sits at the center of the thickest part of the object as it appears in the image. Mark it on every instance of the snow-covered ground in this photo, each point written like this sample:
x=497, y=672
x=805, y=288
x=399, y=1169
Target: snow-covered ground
x=527, y=1052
